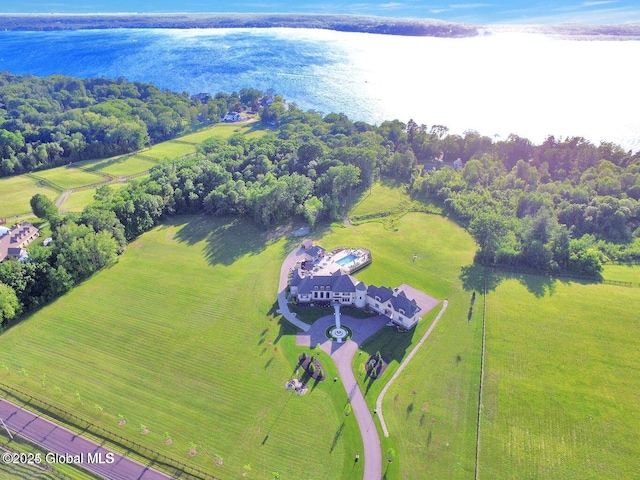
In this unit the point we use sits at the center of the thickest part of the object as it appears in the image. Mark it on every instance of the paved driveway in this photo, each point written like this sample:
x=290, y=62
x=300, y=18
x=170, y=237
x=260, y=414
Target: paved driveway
x=342, y=355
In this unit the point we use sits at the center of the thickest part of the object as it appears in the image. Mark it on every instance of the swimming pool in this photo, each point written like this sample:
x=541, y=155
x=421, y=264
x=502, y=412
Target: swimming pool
x=348, y=259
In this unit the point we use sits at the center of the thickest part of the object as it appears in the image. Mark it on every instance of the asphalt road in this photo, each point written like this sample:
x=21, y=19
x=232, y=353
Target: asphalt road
x=65, y=443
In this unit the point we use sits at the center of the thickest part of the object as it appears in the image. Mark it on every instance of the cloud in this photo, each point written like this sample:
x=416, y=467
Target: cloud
x=460, y=6
x=596, y=3
x=392, y=5
x=599, y=16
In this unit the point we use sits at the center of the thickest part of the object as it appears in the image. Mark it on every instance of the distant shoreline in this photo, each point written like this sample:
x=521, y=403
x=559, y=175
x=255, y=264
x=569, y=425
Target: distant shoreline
x=342, y=23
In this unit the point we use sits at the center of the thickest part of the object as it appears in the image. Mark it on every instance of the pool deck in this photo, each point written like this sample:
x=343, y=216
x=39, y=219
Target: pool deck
x=330, y=262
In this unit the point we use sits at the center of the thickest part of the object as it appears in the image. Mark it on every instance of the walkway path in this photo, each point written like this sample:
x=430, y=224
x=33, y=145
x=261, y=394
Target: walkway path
x=342, y=355
x=64, y=442
x=404, y=364
x=294, y=257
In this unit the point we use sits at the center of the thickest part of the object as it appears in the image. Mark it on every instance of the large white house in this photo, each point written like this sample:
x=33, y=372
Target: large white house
x=336, y=287
x=307, y=286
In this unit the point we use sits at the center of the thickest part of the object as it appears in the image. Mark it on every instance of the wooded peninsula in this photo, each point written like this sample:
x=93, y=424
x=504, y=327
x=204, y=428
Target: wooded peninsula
x=565, y=206
x=342, y=23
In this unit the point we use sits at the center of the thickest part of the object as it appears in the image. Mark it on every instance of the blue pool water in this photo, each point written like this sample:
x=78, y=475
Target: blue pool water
x=348, y=259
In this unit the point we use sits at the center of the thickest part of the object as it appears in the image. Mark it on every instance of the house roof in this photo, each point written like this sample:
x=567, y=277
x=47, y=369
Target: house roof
x=361, y=286
x=315, y=251
x=385, y=293
x=338, y=282
x=400, y=301
x=12, y=242
x=295, y=278
x=397, y=298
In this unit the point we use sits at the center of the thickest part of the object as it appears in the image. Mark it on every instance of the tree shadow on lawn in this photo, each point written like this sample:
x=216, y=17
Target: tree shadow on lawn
x=227, y=239
x=336, y=437
x=388, y=341
x=230, y=238
x=474, y=276
x=293, y=241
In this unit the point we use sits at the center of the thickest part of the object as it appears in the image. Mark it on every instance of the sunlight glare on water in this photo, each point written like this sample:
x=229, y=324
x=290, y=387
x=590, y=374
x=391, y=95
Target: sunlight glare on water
x=528, y=84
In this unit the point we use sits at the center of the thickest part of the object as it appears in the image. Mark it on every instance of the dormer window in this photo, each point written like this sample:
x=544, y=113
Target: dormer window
x=378, y=298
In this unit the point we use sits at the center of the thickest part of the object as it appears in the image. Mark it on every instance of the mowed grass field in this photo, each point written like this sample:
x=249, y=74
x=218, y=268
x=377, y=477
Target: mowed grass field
x=381, y=198
x=431, y=410
x=179, y=337
x=79, y=199
x=562, y=388
x=622, y=273
x=69, y=177
x=15, y=193
x=131, y=164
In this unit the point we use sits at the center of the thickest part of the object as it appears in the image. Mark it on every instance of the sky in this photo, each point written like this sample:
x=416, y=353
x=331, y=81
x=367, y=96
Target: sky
x=489, y=11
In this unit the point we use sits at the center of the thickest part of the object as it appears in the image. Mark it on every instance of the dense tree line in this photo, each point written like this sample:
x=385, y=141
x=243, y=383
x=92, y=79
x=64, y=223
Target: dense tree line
x=82, y=245
x=51, y=121
x=563, y=206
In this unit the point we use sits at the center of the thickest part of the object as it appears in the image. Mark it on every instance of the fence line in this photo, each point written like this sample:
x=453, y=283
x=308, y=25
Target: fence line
x=169, y=465
x=484, y=317
x=525, y=271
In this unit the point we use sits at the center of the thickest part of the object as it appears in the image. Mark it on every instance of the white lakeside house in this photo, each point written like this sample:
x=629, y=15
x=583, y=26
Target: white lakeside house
x=308, y=287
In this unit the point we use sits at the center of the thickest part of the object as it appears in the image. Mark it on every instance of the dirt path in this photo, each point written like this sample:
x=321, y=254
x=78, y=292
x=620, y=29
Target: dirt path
x=63, y=198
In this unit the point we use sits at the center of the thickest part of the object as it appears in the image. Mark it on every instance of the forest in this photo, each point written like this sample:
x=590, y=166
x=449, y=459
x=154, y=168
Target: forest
x=51, y=121
x=565, y=206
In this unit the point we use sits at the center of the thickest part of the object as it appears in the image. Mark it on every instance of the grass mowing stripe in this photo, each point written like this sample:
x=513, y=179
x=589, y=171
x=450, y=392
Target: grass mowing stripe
x=558, y=384
x=15, y=193
x=194, y=363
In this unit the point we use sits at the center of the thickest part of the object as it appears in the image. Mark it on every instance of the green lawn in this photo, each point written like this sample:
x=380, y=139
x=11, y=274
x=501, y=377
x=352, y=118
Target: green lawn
x=381, y=198
x=178, y=337
x=622, y=273
x=15, y=193
x=125, y=165
x=561, y=381
x=69, y=177
x=431, y=410
x=226, y=130
x=81, y=198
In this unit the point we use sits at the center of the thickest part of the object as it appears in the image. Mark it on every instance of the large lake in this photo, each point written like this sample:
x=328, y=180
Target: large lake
x=531, y=85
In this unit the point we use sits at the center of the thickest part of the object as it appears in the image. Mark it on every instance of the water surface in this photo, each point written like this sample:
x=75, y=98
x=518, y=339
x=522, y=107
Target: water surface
x=531, y=85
